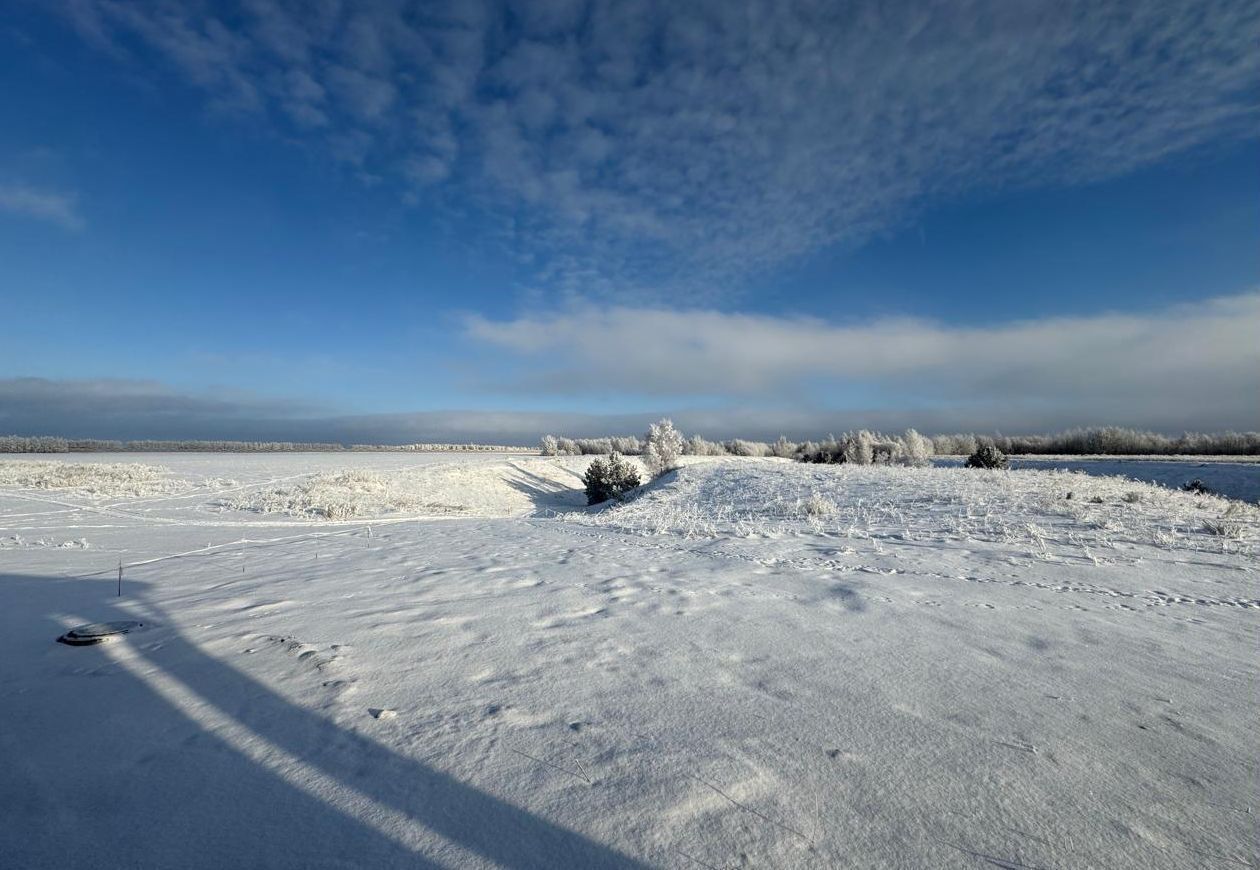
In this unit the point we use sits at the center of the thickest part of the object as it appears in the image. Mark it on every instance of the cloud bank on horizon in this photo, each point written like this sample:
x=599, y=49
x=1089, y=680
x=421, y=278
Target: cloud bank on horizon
x=1200, y=361
x=714, y=371
x=660, y=145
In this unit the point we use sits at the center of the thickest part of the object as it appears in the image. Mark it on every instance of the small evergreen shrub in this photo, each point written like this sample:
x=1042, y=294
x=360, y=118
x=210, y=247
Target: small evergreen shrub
x=1197, y=487
x=988, y=456
x=609, y=478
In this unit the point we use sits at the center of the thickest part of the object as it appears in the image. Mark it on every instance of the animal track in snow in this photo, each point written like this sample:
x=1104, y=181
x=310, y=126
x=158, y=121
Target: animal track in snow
x=320, y=660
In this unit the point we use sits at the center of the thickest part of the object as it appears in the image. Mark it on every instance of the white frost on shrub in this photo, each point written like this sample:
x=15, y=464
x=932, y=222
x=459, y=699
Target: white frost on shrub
x=859, y=449
x=918, y=450
x=816, y=505
x=664, y=446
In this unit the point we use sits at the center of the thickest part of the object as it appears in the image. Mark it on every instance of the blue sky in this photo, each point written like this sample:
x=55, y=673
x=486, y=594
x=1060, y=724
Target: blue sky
x=392, y=221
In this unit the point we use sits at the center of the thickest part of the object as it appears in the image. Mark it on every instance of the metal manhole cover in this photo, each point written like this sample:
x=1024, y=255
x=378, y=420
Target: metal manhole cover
x=98, y=632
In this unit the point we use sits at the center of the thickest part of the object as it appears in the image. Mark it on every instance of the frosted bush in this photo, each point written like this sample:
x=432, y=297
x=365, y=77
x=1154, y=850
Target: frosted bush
x=548, y=445
x=859, y=449
x=889, y=451
x=862, y=448
x=783, y=448
x=663, y=448
x=918, y=450
x=829, y=452
x=627, y=445
x=741, y=447
x=955, y=445
x=595, y=446
x=816, y=506
x=698, y=446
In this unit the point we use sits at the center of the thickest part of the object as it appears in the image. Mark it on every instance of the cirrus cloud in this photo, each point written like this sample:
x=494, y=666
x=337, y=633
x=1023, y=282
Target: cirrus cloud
x=42, y=205
x=632, y=145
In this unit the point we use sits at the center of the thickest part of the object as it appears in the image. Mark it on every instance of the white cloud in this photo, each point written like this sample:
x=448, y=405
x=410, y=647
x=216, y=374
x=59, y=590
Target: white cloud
x=29, y=202
x=1192, y=366
x=91, y=398
x=121, y=409
x=645, y=144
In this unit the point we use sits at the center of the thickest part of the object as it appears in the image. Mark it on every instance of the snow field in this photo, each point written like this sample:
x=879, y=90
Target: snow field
x=753, y=663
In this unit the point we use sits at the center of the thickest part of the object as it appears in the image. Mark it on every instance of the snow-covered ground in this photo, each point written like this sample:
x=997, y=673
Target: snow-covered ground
x=394, y=660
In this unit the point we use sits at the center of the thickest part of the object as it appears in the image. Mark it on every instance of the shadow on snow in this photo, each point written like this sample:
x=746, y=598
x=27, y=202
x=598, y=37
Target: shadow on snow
x=97, y=763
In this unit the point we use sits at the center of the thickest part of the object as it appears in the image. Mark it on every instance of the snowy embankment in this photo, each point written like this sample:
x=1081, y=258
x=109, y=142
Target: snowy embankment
x=753, y=663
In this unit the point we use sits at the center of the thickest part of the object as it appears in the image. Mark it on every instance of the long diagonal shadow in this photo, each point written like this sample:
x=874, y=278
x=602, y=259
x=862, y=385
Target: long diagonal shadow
x=498, y=831
x=97, y=762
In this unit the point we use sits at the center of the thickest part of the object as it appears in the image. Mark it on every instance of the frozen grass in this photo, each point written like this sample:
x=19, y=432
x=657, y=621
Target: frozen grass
x=816, y=505
x=344, y=495
x=115, y=479
x=16, y=541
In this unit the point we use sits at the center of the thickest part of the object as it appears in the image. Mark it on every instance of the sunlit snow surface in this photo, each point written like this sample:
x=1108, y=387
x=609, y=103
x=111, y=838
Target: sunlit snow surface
x=754, y=663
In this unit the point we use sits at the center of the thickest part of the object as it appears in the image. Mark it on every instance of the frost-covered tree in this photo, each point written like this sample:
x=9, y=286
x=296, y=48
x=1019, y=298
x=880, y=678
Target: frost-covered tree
x=859, y=449
x=548, y=446
x=741, y=447
x=696, y=445
x=664, y=444
x=627, y=444
x=888, y=450
x=918, y=450
x=783, y=448
x=594, y=446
